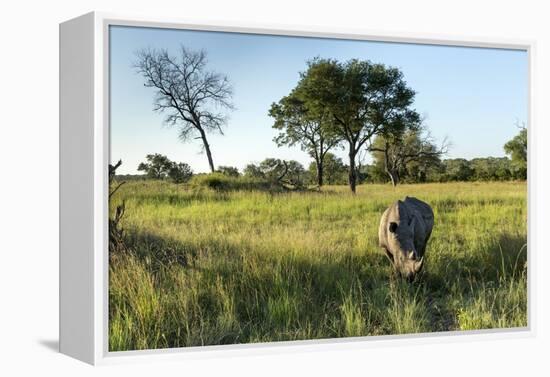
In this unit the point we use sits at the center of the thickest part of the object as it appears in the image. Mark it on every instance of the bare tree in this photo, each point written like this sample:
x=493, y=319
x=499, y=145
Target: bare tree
x=192, y=97
x=398, y=150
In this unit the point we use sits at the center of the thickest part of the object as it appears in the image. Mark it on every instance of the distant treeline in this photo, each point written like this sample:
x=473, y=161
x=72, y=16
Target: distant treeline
x=453, y=170
x=448, y=170
x=272, y=172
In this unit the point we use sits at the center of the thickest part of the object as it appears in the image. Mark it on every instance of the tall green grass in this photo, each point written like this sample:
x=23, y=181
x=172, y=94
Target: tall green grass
x=219, y=267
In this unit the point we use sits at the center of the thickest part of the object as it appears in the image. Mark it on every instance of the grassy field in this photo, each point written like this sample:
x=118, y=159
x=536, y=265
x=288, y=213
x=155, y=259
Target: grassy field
x=210, y=267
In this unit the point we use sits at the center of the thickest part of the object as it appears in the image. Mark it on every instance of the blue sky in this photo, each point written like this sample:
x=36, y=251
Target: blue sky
x=472, y=96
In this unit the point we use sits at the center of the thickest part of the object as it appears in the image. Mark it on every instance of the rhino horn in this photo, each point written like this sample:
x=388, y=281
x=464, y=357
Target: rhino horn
x=418, y=265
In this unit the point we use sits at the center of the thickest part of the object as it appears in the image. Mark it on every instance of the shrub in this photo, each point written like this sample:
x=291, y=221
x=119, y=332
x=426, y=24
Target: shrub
x=222, y=182
x=230, y=171
x=180, y=172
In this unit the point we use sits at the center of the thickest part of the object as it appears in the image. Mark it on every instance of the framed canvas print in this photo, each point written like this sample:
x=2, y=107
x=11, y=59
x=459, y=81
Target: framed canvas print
x=237, y=190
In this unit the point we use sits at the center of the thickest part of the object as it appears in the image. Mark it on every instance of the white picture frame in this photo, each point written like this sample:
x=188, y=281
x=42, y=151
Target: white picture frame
x=84, y=159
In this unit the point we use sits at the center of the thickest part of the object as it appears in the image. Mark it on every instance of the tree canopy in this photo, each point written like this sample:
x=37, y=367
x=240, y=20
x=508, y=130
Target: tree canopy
x=363, y=99
x=409, y=153
x=334, y=170
x=159, y=166
x=517, y=150
x=279, y=172
x=180, y=172
x=305, y=126
x=230, y=171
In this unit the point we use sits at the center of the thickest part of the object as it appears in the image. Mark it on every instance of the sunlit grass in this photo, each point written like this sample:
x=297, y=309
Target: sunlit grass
x=212, y=267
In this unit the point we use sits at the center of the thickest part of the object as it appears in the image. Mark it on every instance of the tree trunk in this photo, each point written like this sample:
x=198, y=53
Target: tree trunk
x=320, y=173
x=319, y=159
x=394, y=177
x=207, y=149
x=352, y=172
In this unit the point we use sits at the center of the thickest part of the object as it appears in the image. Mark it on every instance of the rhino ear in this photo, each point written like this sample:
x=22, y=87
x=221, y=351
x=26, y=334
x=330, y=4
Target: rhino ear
x=393, y=227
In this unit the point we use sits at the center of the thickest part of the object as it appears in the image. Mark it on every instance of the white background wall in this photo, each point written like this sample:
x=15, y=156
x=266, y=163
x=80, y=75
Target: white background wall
x=29, y=183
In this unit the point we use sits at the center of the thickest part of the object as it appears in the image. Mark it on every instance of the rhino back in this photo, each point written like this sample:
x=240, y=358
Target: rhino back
x=423, y=209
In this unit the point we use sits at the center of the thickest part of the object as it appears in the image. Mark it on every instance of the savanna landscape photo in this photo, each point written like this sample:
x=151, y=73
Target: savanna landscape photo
x=276, y=188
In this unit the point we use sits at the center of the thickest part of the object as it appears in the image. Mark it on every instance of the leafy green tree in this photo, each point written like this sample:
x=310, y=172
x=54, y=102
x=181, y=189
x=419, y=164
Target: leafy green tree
x=283, y=172
x=457, y=169
x=180, y=172
x=424, y=170
x=482, y=168
x=230, y=171
x=503, y=170
x=491, y=168
x=303, y=126
x=363, y=99
x=187, y=92
x=335, y=171
x=278, y=172
x=157, y=166
x=517, y=150
x=253, y=171
x=296, y=175
x=375, y=173
x=410, y=153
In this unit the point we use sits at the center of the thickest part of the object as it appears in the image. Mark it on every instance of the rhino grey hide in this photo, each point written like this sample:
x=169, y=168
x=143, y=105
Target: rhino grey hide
x=405, y=228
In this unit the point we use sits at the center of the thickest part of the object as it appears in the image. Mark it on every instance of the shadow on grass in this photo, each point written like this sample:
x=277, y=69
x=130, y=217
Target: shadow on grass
x=451, y=204
x=179, y=199
x=272, y=292
x=270, y=296
x=159, y=251
x=471, y=273
x=505, y=256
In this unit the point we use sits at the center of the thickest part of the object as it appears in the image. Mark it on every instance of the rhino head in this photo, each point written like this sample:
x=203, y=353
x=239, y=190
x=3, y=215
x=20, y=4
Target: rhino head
x=402, y=252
